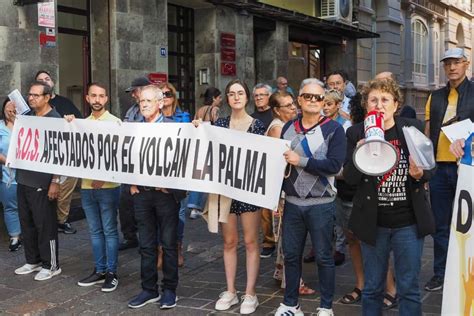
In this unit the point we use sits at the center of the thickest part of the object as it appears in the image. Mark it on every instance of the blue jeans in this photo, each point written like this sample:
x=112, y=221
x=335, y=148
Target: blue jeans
x=157, y=213
x=100, y=207
x=197, y=200
x=318, y=220
x=182, y=218
x=407, y=251
x=9, y=200
x=442, y=191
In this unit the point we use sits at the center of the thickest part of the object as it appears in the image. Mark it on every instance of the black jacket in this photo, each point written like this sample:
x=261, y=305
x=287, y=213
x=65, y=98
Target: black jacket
x=363, y=220
x=439, y=104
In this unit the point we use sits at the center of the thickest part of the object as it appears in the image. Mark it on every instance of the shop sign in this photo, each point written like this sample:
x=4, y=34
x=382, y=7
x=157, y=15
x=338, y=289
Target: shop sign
x=47, y=40
x=228, y=54
x=158, y=77
x=227, y=39
x=228, y=69
x=46, y=16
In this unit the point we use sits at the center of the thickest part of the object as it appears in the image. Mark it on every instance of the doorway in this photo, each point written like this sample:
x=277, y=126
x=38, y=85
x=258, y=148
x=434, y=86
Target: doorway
x=74, y=52
x=181, y=54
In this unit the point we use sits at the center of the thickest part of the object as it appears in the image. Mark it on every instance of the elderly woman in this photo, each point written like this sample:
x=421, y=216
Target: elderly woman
x=390, y=212
x=8, y=184
x=316, y=156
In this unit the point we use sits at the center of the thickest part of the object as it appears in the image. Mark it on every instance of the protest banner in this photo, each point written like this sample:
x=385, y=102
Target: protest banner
x=458, y=292
x=239, y=165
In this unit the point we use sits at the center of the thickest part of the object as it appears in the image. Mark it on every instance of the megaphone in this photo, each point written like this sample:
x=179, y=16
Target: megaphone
x=376, y=156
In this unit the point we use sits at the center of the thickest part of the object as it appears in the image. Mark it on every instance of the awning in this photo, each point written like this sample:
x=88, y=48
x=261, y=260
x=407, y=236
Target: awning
x=297, y=19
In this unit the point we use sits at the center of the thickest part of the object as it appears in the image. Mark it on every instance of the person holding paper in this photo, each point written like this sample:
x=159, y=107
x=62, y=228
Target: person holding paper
x=8, y=185
x=390, y=212
x=446, y=105
x=37, y=193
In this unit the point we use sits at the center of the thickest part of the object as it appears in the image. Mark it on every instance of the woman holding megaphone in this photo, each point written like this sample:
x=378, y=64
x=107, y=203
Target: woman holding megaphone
x=390, y=211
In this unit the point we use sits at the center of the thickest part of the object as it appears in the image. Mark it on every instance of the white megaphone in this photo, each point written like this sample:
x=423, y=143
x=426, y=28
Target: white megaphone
x=376, y=156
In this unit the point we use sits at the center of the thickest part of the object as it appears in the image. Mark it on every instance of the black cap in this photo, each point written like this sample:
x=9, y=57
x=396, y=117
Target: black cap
x=138, y=82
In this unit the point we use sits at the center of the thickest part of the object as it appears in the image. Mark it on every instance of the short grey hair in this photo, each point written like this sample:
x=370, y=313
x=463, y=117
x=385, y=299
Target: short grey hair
x=153, y=88
x=262, y=85
x=309, y=81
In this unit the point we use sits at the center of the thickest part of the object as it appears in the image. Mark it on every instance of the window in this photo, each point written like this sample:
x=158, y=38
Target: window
x=420, y=49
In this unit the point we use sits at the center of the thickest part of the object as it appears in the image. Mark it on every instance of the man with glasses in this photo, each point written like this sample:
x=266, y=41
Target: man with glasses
x=337, y=80
x=37, y=194
x=282, y=85
x=156, y=212
x=263, y=112
x=261, y=96
x=63, y=106
x=445, y=106
x=318, y=149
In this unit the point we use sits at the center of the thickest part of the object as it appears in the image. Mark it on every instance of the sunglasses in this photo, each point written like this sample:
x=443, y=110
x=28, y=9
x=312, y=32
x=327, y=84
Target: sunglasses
x=168, y=94
x=310, y=96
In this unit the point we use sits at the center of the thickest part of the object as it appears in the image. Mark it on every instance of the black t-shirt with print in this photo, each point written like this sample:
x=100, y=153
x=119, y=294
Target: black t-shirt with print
x=394, y=207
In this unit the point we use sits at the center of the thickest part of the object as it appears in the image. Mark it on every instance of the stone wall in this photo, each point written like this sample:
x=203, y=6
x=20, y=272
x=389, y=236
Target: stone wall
x=138, y=29
x=20, y=53
x=209, y=24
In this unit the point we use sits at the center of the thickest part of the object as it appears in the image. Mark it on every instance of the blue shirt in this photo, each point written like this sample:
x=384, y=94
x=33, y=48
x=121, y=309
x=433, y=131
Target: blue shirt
x=8, y=175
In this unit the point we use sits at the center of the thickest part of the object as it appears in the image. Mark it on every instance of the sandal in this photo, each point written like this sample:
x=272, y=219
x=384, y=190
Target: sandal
x=305, y=290
x=393, y=301
x=350, y=299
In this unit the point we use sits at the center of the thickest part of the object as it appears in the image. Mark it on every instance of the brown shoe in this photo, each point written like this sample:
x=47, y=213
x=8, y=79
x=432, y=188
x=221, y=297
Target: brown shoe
x=180, y=255
x=159, y=262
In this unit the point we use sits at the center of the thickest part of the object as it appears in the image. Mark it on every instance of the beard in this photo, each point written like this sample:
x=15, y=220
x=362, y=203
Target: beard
x=97, y=107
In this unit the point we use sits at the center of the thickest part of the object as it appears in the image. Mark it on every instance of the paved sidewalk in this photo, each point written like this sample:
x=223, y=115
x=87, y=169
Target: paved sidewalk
x=201, y=280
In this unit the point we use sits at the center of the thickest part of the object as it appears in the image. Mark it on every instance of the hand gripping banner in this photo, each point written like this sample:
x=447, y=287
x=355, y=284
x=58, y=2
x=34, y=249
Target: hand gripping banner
x=242, y=166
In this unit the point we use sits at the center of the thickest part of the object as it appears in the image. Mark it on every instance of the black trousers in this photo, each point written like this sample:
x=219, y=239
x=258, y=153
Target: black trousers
x=38, y=226
x=157, y=211
x=128, y=226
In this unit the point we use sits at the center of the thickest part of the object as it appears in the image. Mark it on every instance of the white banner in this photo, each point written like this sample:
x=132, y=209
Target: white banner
x=458, y=292
x=242, y=166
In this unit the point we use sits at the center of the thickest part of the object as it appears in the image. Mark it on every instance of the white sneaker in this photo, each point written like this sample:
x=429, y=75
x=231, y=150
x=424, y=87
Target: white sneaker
x=284, y=310
x=28, y=268
x=226, y=300
x=195, y=213
x=324, y=312
x=249, y=304
x=46, y=274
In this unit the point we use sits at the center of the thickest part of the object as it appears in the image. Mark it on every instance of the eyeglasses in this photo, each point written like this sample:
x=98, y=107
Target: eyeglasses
x=168, y=94
x=310, y=96
x=260, y=95
x=35, y=96
x=287, y=105
x=233, y=94
x=455, y=62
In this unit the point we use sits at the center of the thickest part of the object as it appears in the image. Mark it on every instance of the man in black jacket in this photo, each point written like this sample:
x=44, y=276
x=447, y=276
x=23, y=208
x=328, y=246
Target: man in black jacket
x=63, y=106
x=446, y=105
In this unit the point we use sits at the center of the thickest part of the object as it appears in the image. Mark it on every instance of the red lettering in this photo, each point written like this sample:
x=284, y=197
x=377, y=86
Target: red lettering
x=35, y=153
x=18, y=144
x=25, y=154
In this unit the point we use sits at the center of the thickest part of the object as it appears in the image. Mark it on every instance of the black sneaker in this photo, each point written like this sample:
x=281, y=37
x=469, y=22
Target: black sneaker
x=94, y=278
x=435, y=284
x=66, y=228
x=127, y=244
x=267, y=252
x=145, y=297
x=110, y=283
x=15, y=244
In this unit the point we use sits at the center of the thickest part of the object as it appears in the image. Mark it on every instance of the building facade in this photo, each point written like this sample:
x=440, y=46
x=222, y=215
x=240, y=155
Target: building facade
x=200, y=43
